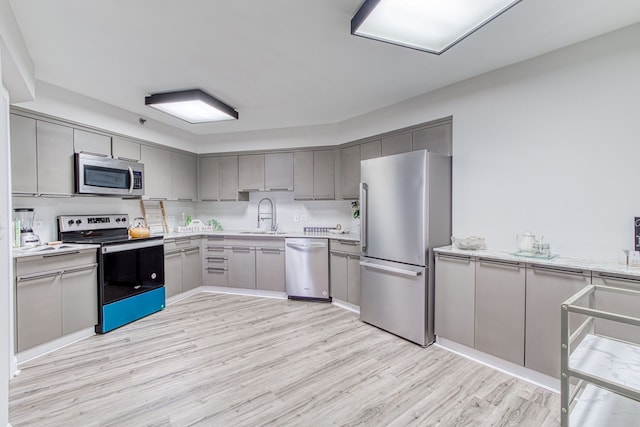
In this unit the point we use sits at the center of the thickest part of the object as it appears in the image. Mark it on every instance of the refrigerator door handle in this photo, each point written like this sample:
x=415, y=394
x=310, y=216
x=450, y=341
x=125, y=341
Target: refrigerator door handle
x=364, y=188
x=391, y=269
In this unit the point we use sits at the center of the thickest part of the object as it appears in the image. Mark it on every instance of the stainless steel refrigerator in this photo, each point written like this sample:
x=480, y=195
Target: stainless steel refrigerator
x=405, y=205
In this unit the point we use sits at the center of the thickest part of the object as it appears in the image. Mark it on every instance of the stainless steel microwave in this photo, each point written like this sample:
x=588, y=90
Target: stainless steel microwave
x=104, y=175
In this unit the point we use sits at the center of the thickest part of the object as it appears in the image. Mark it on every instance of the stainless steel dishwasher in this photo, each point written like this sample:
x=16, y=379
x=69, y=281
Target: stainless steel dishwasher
x=307, y=268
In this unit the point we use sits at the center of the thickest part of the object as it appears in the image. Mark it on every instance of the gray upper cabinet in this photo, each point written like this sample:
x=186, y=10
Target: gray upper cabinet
x=547, y=289
x=24, y=174
x=157, y=172
x=455, y=290
x=55, y=158
x=303, y=175
x=396, y=144
x=251, y=172
x=435, y=139
x=125, y=149
x=499, y=317
x=228, y=177
x=278, y=171
x=184, y=177
x=323, y=175
x=350, y=172
x=91, y=142
x=209, y=178
x=370, y=150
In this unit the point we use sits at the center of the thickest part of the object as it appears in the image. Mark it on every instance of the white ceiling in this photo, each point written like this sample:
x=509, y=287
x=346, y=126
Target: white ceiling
x=280, y=63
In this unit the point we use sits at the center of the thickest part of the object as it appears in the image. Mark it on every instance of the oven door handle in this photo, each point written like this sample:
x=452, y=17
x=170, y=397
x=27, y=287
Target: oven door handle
x=130, y=179
x=131, y=246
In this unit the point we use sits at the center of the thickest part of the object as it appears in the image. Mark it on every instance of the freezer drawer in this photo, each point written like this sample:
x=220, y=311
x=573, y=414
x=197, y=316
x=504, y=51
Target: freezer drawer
x=393, y=297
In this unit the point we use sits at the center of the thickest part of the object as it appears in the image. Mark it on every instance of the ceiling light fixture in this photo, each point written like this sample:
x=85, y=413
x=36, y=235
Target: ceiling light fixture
x=429, y=25
x=193, y=106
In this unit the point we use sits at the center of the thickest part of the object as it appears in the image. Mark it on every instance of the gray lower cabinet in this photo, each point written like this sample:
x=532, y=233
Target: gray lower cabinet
x=182, y=265
x=547, y=289
x=251, y=172
x=157, y=170
x=241, y=266
x=396, y=144
x=55, y=158
x=91, y=142
x=455, y=290
x=344, y=268
x=270, y=267
x=619, y=304
x=24, y=173
x=278, y=171
x=499, y=314
x=56, y=295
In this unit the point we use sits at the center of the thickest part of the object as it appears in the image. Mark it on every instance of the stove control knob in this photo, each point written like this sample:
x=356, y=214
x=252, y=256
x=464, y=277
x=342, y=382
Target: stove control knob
x=117, y=219
x=70, y=222
x=123, y=219
x=78, y=222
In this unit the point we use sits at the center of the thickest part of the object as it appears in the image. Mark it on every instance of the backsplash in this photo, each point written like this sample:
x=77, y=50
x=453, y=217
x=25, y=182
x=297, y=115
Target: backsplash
x=231, y=215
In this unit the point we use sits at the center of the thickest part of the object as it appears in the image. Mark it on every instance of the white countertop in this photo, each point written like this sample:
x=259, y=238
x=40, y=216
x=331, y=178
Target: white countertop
x=559, y=261
x=353, y=237
x=50, y=249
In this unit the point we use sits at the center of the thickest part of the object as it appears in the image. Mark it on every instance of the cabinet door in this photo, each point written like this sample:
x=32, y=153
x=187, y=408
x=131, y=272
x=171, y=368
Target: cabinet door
x=455, y=289
x=499, y=325
x=79, y=294
x=338, y=275
x=370, y=150
x=90, y=142
x=323, y=175
x=24, y=175
x=303, y=175
x=55, y=158
x=38, y=315
x=547, y=288
x=618, y=304
x=397, y=144
x=242, y=267
x=434, y=139
x=124, y=149
x=173, y=273
x=251, y=172
x=278, y=171
x=353, y=279
x=184, y=177
x=209, y=178
x=157, y=170
x=228, y=177
x=270, y=271
x=350, y=172
x=191, y=268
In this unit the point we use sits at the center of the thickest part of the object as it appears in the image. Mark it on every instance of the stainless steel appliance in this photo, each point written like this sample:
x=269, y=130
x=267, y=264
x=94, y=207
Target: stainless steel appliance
x=27, y=236
x=405, y=210
x=96, y=174
x=307, y=268
x=130, y=271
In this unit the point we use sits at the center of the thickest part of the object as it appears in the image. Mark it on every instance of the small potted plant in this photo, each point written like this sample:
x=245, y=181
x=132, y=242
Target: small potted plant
x=355, y=205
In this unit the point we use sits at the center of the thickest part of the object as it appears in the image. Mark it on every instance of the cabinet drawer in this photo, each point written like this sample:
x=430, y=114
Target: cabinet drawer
x=55, y=261
x=253, y=242
x=215, y=276
x=216, y=260
x=351, y=247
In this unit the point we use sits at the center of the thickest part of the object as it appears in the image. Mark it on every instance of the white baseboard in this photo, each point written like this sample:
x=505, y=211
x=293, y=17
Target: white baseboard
x=247, y=292
x=529, y=375
x=346, y=305
x=42, y=349
x=183, y=295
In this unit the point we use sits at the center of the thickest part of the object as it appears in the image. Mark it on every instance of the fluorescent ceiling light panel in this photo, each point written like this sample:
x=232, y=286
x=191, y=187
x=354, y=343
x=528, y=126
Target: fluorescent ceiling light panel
x=193, y=106
x=430, y=25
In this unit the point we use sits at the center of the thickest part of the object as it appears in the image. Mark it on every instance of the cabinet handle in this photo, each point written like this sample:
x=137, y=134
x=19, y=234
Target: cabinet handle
x=279, y=189
x=216, y=269
x=158, y=198
x=80, y=269
x=455, y=258
x=560, y=270
x=324, y=198
x=302, y=198
x=240, y=249
x=250, y=189
x=172, y=253
x=356, y=257
x=340, y=254
x=270, y=250
x=191, y=250
x=512, y=264
x=391, y=269
x=38, y=276
x=215, y=248
x=229, y=200
x=185, y=199
x=182, y=240
x=216, y=258
x=342, y=242
x=612, y=276
x=209, y=200
x=60, y=254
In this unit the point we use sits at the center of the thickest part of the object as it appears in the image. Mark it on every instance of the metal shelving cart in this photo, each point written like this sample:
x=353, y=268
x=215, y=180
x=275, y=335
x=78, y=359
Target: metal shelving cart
x=600, y=375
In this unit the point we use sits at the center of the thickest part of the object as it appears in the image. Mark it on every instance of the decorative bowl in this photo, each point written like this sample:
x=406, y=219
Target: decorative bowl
x=469, y=243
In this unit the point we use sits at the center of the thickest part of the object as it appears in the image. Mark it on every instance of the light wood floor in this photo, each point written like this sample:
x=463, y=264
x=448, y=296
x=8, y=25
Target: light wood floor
x=224, y=360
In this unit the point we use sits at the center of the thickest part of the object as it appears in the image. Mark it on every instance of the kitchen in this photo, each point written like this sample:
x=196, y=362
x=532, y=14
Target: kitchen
x=547, y=144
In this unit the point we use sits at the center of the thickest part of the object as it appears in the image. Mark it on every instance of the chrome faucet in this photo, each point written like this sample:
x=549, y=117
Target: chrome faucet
x=271, y=214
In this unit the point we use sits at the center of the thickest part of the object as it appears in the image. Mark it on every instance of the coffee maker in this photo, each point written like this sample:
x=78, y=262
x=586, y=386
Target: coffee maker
x=27, y=236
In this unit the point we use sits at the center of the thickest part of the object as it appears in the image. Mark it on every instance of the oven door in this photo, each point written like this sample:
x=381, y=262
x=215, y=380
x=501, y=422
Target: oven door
x=103, y=175
x=131, y=268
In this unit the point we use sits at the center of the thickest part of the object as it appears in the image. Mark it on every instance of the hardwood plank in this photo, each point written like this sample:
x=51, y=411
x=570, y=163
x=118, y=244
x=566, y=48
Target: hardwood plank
x=214, y=359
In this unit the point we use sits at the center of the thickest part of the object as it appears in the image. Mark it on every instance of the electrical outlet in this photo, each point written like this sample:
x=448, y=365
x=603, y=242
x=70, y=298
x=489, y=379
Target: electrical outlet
x=296, y=218
x=304, y=217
